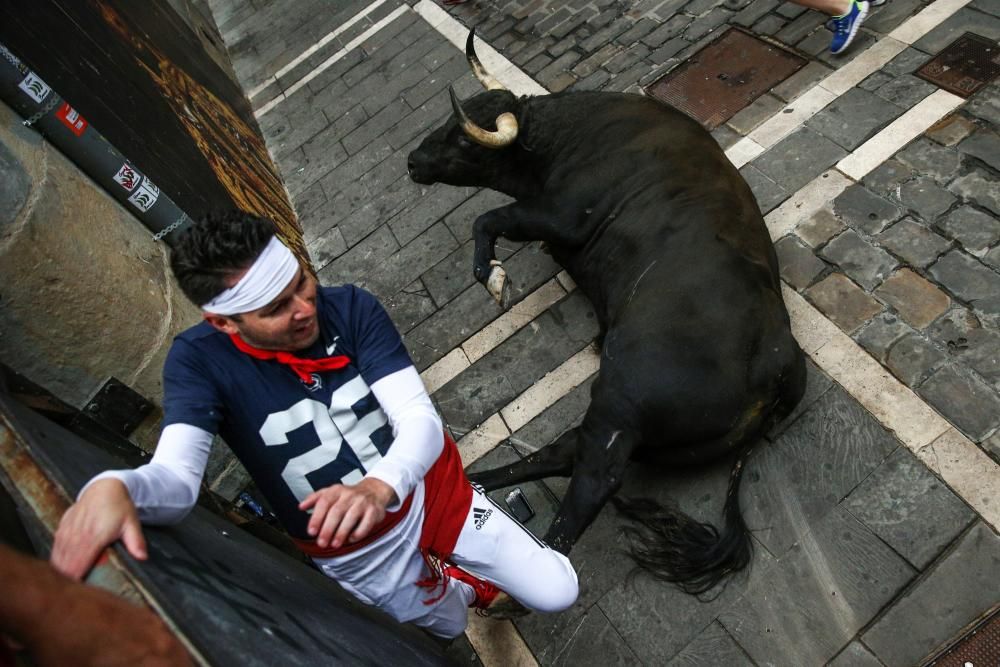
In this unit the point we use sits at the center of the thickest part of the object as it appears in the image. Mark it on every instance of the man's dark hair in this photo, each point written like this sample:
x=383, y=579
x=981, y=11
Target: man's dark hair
x=215, y=248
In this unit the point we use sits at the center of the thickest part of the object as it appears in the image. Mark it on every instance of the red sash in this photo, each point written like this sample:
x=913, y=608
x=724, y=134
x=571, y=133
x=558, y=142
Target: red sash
x=447, y=499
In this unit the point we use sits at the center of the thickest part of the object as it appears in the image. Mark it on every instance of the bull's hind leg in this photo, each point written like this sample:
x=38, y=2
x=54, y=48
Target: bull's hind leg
x=598, y=469
x=555, y=460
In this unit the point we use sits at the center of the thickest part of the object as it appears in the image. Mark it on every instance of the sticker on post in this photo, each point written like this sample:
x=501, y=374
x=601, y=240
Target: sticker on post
x=145, y=196
x=34, y=87
x=72, y=119
x=127, y=177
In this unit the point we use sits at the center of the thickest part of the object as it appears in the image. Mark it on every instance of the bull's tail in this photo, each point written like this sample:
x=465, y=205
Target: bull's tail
x=673, y=547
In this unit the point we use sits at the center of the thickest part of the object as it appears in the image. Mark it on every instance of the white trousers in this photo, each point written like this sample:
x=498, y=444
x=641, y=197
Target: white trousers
x=492, y=546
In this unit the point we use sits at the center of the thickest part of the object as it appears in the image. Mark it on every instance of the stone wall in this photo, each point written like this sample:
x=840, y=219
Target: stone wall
x=86, y=292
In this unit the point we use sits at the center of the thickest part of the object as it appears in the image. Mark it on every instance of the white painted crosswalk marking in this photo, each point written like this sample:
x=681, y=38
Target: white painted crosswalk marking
x=326, y=64
x=329, y=37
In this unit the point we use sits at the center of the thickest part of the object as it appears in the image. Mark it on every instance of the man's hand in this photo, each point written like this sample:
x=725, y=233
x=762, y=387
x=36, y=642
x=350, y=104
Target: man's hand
x=62, y=622
x=346, y=513
x=104, y=514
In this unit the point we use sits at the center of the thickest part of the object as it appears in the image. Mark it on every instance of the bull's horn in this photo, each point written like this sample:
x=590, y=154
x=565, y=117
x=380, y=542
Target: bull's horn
x=504, y=135
x=484, y=77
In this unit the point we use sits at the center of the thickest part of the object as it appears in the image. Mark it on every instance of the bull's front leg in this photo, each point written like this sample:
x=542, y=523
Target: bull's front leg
x=485, y=266
x=555, y=223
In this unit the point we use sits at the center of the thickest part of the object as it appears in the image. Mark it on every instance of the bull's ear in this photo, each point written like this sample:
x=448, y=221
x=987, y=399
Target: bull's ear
x=524, y=121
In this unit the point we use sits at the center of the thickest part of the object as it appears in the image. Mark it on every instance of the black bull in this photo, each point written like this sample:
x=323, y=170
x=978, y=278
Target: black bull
x=642, y=208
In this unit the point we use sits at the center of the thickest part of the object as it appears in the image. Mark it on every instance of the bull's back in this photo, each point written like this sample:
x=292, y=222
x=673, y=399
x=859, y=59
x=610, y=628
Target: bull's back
x=662, y=191
x=681, y=267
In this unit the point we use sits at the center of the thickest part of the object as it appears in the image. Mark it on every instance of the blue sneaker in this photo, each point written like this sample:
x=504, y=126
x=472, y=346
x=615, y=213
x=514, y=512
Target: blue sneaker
x=831, y=24
x=846, y=27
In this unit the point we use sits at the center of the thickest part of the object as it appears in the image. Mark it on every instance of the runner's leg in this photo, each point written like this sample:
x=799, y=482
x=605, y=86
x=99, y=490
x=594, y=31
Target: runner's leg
x=495, y=547
x=385, y=573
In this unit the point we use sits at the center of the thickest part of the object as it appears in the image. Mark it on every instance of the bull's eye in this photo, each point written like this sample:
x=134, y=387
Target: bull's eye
x=464, y=142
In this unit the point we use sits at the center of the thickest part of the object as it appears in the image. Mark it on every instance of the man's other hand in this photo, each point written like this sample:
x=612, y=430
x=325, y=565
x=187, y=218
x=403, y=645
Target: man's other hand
x=346, y=513
x=59, y=622
x=103, y=515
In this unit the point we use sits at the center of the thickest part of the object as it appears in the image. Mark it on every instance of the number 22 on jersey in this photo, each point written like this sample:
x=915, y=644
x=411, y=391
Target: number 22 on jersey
x=335, y=425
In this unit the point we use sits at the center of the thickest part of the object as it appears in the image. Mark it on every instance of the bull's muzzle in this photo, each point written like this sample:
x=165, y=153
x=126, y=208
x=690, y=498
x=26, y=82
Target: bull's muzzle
x=416, y=168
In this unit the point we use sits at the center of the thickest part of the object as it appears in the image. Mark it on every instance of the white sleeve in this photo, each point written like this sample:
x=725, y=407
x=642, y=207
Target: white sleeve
x=165, y=489
x=416, y=426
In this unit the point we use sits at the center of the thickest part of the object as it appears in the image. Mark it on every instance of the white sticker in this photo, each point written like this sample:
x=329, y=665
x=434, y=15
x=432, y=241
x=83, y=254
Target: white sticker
x=35, y=88
x=127, y=177
x=145, y=196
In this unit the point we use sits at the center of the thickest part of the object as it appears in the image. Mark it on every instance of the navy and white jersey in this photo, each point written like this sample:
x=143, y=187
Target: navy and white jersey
x=293, y=438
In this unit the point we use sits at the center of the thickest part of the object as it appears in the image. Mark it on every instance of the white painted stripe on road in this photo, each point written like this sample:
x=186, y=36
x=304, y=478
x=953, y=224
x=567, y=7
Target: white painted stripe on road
x=444, y=370
x=952, y=456
x=898, y=133
x=326, y=64
x=805, y=203
x=556, y=384
x=529, y=404
x=519, y=315
x=791, y=117
x=341, y=29
x=794, y=114
x=498, y=643
x=926, y=20
x=489, y=337
x=480, y=441
x=566, y=281
x=968, y=471
x=743, y=151
x=502, y=69
x=823, y=189
x=868, y=62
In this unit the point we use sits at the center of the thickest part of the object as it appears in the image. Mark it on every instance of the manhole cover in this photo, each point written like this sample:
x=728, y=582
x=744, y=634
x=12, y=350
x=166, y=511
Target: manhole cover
x=965, y=66
x=725, y=77
x=979, y=647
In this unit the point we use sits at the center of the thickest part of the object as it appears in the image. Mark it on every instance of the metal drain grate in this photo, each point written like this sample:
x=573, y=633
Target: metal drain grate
x=965, y=66
x=979, y=647
x=725, y=76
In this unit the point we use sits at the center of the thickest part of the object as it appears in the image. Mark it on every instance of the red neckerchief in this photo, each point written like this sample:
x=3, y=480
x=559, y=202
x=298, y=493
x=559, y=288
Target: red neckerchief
x=304, y=368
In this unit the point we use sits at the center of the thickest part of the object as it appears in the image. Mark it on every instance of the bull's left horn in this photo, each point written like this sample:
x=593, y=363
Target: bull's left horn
x=485, y=78
x=504, y=135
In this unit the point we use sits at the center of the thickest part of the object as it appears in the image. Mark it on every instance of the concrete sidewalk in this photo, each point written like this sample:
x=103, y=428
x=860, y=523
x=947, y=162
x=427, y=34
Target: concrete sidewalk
x=875, y=506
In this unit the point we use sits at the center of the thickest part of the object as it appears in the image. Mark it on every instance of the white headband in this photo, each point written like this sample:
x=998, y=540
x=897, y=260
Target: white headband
x=270, y=273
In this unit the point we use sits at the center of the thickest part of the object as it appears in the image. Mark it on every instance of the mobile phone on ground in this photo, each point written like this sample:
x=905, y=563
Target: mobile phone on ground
x=518, y=504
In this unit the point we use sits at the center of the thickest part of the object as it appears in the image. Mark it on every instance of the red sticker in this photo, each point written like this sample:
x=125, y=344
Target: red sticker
x=72, y=119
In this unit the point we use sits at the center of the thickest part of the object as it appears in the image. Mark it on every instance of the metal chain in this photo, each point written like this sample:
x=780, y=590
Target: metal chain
x=49, y=106
x=171, y=227
x=13, y=59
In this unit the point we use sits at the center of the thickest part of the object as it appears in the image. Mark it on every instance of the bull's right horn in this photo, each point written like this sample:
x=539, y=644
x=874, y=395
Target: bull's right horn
x=504, y=135
x=484, y=77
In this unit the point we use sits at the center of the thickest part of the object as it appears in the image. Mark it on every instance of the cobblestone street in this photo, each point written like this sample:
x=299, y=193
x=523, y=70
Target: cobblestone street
x=875, y=505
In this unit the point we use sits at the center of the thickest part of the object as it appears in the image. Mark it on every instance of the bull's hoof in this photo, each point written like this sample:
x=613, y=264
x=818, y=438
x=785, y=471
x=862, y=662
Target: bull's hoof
x=498, y=285
x=504, y=607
